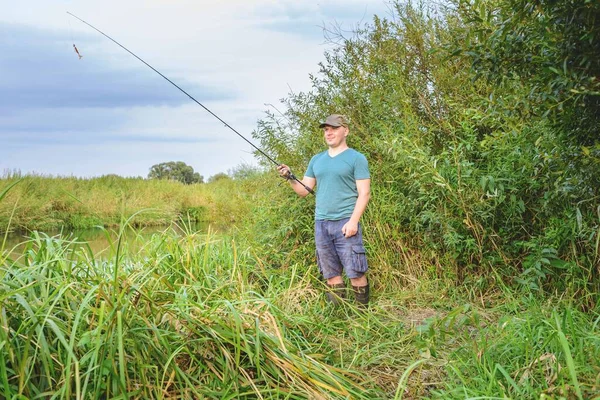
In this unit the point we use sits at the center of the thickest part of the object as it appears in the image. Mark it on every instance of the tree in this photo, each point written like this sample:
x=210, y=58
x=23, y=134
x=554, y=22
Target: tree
x=175, y=170
x=218, y=177
x=547, y=50
x=244, y=171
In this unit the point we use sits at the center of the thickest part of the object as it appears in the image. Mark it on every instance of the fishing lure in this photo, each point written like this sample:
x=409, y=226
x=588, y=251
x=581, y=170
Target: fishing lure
x=77, y=51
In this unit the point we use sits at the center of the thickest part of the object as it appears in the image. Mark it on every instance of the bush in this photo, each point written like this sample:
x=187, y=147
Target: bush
x=459, y=188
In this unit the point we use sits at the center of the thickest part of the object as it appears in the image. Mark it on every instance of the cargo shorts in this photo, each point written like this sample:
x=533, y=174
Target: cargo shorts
x=335, y=252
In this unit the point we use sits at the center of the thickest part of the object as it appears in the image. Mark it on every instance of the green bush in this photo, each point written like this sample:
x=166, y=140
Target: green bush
x=461, y=186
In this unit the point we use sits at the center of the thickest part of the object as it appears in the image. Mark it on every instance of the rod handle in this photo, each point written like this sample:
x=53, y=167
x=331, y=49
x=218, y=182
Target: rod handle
x=293, y=177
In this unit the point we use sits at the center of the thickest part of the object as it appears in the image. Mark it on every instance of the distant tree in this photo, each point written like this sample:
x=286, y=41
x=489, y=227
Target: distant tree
x=218, y=177
x=110, y=176
x=175, y=170
x=244, y=171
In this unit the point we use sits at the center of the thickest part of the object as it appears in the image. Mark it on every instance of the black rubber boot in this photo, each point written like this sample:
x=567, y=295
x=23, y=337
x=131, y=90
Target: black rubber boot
x=336, y=293
x=361, y=294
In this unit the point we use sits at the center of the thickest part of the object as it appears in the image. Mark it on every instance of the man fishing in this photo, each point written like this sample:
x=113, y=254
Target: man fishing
x=342, y=176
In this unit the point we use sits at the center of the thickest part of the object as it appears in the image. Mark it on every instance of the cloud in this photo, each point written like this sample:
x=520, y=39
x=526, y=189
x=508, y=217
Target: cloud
x=25, y=140
x=51, y=98
x=310, y=19
x=40, y=69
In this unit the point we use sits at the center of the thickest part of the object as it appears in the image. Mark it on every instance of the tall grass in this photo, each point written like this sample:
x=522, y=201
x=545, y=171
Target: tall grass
x=45, y=203
x=196, y=315
x=190, y=318
x=527, y=349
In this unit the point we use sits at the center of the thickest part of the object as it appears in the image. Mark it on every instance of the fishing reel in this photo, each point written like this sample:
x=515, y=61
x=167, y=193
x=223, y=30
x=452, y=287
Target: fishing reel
x=289, y=176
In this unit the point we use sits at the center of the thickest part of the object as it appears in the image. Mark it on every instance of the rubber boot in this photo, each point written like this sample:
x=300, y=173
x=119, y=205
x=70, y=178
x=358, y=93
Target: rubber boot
x=361, y=294
x=336, y=293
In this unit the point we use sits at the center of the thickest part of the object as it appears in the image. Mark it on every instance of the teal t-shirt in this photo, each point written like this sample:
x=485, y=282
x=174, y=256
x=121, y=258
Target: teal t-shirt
x=336, y=182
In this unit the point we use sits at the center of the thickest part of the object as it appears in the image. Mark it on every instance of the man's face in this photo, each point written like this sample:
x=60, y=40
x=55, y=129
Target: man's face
x=334, y=136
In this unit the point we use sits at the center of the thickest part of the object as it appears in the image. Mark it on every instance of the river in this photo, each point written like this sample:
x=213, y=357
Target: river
x=98, y=239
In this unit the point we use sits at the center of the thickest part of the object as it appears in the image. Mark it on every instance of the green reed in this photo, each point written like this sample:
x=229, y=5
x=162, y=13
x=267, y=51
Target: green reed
x=188, y=316
x=196, y=315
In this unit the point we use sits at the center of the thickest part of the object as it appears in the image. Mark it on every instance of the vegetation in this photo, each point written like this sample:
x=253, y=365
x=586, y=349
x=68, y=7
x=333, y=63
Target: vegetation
x=175, y=170
x=198, y=316
x=48, y=203
x=217, y=177
x=481, y=185
x=168, y=323
x=542, y=56
x=479, y=121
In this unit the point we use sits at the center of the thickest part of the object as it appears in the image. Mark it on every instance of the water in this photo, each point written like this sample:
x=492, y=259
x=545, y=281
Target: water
x=98, y=239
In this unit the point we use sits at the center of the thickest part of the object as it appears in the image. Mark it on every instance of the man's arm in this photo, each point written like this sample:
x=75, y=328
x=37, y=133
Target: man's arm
x=284, y=171
x=298, y=188
x=363, y=187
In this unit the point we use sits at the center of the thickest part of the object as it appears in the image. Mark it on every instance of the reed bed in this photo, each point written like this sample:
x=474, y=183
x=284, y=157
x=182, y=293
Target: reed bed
x=187, y=317
x=37, y=202
x=196, y=315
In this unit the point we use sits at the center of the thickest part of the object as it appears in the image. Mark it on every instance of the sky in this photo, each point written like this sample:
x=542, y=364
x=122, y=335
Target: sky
x=108, y=113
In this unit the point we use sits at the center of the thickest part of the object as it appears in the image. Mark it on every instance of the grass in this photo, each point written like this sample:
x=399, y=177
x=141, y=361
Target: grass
x=188, y=321
x=522, y=352
x=34, y=202
x=482, y=234
x=44, y=203
x=197, y=315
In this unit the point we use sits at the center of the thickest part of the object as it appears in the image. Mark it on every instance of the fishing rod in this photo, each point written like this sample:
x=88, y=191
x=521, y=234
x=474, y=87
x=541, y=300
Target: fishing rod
x=289, y=176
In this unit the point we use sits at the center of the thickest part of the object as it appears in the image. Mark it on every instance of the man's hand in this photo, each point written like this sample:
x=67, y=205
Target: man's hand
x=350, y=229
x=284, y=171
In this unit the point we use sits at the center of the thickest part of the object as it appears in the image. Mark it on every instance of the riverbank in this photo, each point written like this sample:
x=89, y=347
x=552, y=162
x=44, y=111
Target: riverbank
x=196, y=315
x=49, y=203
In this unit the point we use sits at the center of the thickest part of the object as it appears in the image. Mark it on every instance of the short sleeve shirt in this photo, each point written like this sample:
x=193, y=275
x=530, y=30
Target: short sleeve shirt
x=336, y=182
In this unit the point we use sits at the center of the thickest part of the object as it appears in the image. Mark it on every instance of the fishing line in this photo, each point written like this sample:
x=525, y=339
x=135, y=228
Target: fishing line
x=290, y=176
x=70, y=30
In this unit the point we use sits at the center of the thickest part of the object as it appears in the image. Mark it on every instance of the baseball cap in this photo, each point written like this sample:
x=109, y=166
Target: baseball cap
x=335, y=120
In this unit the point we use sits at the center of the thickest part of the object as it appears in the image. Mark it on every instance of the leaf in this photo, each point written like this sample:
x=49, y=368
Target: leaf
x=556, y=71
x=585, y=150
x=8, y=188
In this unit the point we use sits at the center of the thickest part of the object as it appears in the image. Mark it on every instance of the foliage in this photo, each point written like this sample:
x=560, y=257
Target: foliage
x=175, y=170
x=466, y=185
x=482, y=234
x=194, y=315
x=244, y=171
x=541, y=55
x=100, y=326
x=514, y=351
x=218, y=176
x=45, y=203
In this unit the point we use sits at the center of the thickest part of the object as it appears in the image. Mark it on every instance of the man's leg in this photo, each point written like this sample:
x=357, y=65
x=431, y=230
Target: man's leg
x=360, y=286
x=351, y=252
x=336, y=280
x=337, y=290
x=329, y=263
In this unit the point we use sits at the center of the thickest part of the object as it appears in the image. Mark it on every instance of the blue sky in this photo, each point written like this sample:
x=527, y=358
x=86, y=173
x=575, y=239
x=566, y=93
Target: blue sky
x=109, y=113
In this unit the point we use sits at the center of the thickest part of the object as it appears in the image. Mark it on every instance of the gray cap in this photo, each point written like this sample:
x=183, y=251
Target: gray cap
x=335, y=120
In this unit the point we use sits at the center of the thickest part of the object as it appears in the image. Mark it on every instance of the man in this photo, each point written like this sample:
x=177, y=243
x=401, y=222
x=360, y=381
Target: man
x=343, y=191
